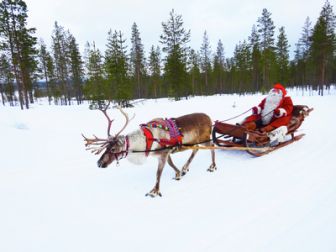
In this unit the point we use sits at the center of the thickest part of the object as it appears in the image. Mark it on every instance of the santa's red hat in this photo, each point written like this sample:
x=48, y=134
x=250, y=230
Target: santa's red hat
x=280, y=87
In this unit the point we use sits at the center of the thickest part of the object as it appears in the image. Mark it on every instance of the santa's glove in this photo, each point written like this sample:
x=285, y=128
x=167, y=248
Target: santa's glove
x=280, y=112
x=255, y=111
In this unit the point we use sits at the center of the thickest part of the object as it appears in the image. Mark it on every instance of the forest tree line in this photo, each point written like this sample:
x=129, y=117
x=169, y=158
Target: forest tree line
x=29, y=69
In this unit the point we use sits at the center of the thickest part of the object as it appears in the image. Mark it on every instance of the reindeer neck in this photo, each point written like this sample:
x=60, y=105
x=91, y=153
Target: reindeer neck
x=137, y=145
x=137, y=141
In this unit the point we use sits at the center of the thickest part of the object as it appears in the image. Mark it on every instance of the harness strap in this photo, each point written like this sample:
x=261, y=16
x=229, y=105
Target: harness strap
x=170, y=142
x=122, y=154
x=149, y=139
x=168, y=125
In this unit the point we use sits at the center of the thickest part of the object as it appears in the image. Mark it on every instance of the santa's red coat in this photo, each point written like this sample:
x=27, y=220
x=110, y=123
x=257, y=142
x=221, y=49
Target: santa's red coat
x=286, y=104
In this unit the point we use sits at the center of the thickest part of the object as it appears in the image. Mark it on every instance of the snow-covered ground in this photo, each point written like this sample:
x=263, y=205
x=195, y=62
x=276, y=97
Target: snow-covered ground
x=54, y=198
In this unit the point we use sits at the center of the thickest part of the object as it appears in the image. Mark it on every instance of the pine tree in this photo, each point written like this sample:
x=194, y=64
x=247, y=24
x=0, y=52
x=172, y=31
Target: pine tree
x=3, y=81
x=95, y=88
x=61, y=61
x=175, y=39
x=117, y=68
x=154, y=66
x=305, y=40
x=205, y=53
x=76, y=70
x=254, y=41
x=323, y=46
x=219, y=67
x=303, y=70
x=242, y=59
x=18, y=41
x=44, y=60
x=195, y=73
x=266, y=32
x=6, y=81
x=137, y=60
x=282, y=56
x=231, y=75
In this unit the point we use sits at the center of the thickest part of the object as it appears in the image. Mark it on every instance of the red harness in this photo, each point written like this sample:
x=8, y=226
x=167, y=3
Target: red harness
x=173, y=141
x=149, y=139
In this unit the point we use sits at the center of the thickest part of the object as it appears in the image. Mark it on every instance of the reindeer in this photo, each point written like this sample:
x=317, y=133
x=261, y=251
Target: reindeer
x=137, y=146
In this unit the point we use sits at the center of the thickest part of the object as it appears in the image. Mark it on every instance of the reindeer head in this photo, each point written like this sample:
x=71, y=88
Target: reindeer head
x=115, y=150
x=114, y=147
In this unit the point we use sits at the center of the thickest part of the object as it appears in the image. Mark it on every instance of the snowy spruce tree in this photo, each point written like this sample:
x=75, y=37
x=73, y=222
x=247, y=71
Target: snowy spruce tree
x=116, y=67
x=175, y=41
x=138, y=61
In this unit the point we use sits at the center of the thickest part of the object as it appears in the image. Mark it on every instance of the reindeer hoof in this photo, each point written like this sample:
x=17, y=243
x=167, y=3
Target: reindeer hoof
x=153, y=194
x=184, y=170
x=212, y=168
x=177, y=176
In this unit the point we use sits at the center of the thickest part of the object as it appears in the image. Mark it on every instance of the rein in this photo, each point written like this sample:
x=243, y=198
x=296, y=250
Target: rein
x=122, y=154
x=236, y=116
x=229, y=119
x=195, y=147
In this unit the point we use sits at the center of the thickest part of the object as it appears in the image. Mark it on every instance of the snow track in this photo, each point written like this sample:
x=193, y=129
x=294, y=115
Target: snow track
x=54, y=198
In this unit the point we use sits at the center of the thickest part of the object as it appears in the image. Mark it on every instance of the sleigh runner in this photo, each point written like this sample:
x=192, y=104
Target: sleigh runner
x=229, y=136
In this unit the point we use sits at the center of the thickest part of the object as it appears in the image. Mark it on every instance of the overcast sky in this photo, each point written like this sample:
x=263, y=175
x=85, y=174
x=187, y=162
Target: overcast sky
x=230, y=21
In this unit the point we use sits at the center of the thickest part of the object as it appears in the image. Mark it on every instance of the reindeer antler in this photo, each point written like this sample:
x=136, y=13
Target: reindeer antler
x=104, y=109
x=127, y=120
x=97, y=145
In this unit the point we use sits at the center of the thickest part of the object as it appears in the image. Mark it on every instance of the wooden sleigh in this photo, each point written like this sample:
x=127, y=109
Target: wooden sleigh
x=229, y=136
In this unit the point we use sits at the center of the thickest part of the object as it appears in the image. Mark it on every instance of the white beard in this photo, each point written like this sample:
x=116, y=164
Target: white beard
x=271, y=103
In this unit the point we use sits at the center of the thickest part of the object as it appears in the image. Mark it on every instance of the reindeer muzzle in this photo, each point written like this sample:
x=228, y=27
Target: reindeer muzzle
x=106, y=159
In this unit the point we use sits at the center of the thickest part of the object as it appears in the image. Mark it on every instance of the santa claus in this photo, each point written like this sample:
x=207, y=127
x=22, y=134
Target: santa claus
x=274, y=111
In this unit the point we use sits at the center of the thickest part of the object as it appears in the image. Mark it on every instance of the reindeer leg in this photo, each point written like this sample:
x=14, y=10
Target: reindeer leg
x=156, y=190
x=185, y=167
x=172, y=165
x=213, y=166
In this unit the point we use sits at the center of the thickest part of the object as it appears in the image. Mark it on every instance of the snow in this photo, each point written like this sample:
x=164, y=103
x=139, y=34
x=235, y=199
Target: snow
x=54, y=198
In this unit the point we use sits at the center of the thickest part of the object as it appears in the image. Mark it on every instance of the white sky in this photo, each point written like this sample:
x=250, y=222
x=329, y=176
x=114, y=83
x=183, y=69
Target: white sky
x=230, y=21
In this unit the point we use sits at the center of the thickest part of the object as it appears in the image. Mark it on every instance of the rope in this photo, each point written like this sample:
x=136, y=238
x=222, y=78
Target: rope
x=224, y=148
x=175, y=146
x=195, y=147
x=236, y=116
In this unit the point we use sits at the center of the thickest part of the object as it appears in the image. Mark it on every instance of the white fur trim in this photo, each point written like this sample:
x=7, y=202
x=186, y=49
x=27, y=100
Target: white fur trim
x=259, y=110
x=282, y=111
x=279, y=134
